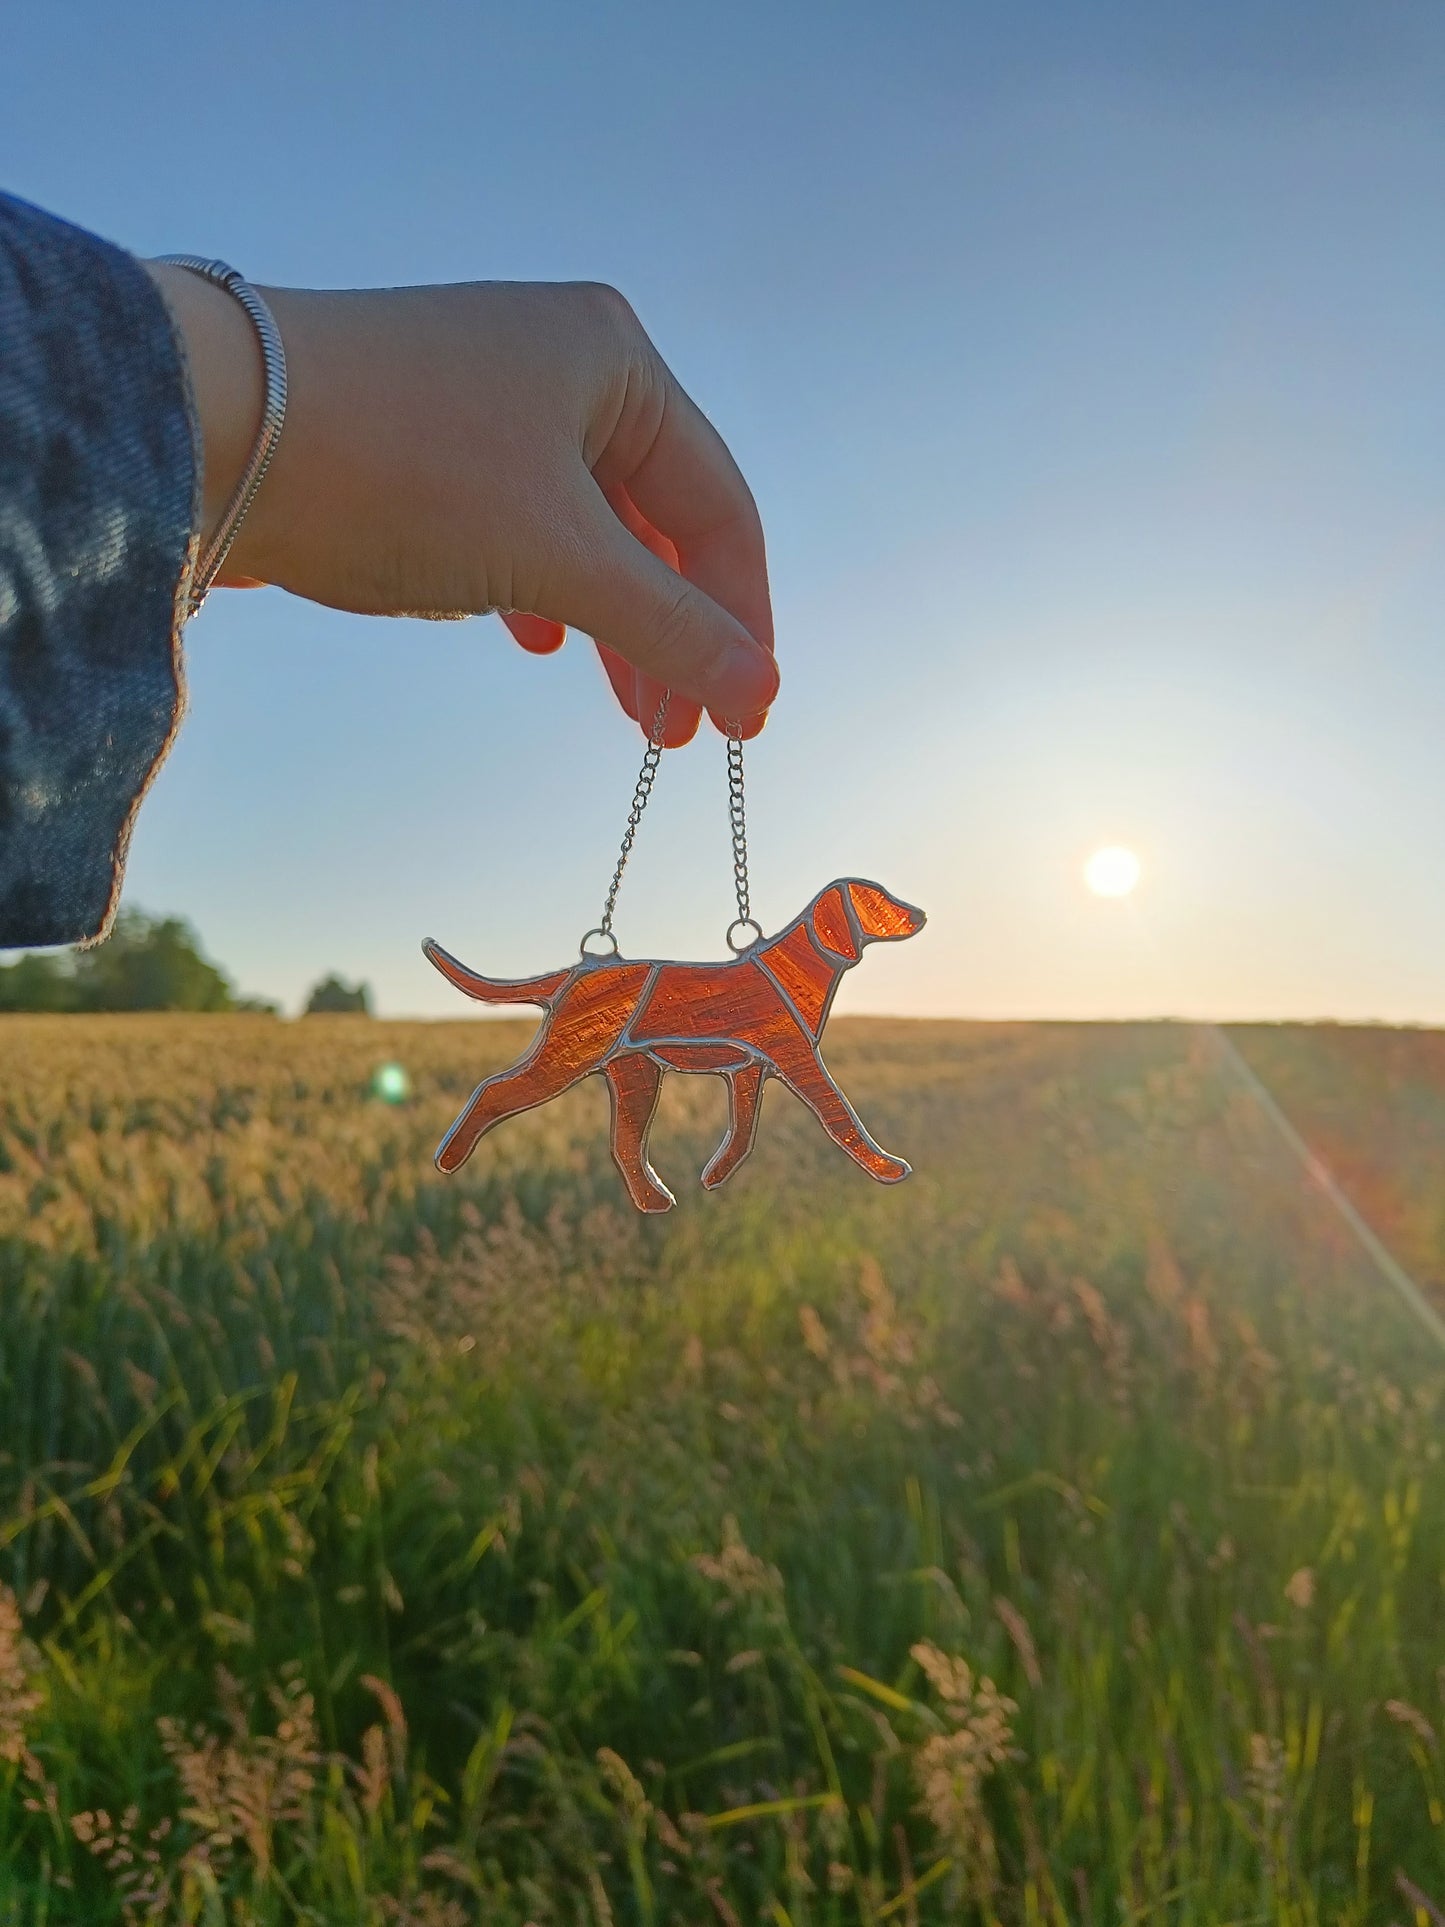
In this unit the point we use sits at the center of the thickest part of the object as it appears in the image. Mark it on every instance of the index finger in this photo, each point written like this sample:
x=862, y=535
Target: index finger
x=641, y=697
x=690, y=489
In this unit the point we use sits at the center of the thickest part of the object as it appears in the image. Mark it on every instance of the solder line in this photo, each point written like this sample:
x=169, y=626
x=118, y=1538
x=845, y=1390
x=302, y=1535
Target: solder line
x=1384, y=1261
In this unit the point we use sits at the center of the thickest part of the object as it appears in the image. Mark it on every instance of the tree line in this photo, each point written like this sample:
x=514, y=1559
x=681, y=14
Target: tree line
x=149, y=963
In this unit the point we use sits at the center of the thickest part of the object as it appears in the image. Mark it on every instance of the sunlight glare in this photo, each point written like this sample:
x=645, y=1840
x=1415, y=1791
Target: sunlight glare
x=1112, y=871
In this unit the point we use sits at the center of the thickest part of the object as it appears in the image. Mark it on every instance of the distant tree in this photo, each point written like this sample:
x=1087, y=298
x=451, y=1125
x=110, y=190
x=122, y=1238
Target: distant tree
x=333, y=996
x=256, y=1006
x=38, y=982
x=149, y=963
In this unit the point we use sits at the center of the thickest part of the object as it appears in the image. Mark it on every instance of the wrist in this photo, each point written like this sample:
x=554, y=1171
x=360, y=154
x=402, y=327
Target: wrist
x=227, y=379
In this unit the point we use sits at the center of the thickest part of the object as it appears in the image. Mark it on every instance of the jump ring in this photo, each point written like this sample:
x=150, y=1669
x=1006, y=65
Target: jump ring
x=597, y=931
x=742, y=923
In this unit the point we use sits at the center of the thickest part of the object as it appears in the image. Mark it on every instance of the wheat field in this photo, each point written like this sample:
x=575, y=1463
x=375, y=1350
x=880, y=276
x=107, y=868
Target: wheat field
x=1059, y=1537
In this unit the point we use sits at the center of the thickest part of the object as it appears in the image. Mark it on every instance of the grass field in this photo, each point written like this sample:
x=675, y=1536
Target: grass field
x=1057, y=1537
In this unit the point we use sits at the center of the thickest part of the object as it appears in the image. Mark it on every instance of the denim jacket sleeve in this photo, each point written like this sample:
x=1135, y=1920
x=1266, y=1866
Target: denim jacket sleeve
x=98, y=482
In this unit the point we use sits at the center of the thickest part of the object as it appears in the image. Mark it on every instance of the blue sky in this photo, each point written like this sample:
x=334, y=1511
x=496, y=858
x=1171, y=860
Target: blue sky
x=1086, y=362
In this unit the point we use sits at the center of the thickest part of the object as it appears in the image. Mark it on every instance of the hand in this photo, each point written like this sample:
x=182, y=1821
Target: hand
x=497, y=445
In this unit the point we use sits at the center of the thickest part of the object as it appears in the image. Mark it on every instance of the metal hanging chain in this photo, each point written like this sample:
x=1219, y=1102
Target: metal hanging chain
x=744, y=923
x=646, y=777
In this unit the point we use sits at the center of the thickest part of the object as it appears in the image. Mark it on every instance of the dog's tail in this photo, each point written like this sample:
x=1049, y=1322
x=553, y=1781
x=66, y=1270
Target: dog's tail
x=491, y=990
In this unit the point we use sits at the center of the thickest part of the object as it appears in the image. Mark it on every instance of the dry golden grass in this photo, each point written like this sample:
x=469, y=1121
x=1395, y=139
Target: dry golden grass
x=1058, y=1537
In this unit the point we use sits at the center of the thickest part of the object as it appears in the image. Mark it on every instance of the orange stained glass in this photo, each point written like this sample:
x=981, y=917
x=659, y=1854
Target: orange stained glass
x=804, y=972
x=754, y=1017
x=832, y=926
x=880, y=915
x=702, y=1057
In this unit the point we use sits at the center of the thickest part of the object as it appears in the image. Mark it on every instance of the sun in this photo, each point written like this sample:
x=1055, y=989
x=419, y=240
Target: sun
x=1112, y=871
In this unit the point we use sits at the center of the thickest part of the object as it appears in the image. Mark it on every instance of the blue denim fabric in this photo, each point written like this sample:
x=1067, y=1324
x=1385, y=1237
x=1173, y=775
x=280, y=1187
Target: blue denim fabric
x=98, y=476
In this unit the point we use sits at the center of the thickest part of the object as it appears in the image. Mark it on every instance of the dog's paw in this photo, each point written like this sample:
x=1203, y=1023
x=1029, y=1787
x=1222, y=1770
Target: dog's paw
x=451, y=1155
x=649, y=1193
x=719, y=1171
x=655, y=1201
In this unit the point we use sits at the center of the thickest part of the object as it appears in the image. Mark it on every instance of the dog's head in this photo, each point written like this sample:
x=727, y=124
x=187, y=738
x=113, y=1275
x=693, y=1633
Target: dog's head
x=851, y=913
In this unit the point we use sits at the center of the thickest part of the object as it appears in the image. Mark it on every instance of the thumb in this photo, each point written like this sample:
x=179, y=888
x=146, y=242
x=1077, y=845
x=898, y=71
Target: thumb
x=667, y=627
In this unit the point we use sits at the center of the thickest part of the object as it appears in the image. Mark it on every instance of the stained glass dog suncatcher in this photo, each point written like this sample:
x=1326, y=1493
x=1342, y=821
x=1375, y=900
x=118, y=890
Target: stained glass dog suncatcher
x=757, y=1016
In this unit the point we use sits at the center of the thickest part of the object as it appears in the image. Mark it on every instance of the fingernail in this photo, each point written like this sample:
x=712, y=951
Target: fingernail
x=745, y=681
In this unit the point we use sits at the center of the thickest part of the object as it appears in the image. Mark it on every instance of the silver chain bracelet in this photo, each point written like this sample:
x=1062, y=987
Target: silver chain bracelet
x=273, y=417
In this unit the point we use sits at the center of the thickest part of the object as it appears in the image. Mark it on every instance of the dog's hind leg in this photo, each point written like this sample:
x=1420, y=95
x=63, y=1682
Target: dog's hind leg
x=635, y=1083
x=533, y=1081
x=573, y=1042
x=803, y=1073
x=745, y=1093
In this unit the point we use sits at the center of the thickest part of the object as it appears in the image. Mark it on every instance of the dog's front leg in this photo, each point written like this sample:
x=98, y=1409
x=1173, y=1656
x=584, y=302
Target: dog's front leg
x=803, y=1072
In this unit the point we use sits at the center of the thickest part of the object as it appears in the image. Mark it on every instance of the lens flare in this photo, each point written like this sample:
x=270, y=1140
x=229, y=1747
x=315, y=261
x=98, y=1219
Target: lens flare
x=391, y=1084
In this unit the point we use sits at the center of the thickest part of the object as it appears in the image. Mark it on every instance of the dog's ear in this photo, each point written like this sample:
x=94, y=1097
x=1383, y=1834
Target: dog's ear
x=832, y=927
x=880, y=915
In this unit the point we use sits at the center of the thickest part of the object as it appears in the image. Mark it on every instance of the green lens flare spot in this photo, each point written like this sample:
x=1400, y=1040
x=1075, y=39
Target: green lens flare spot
x=390, y=1083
